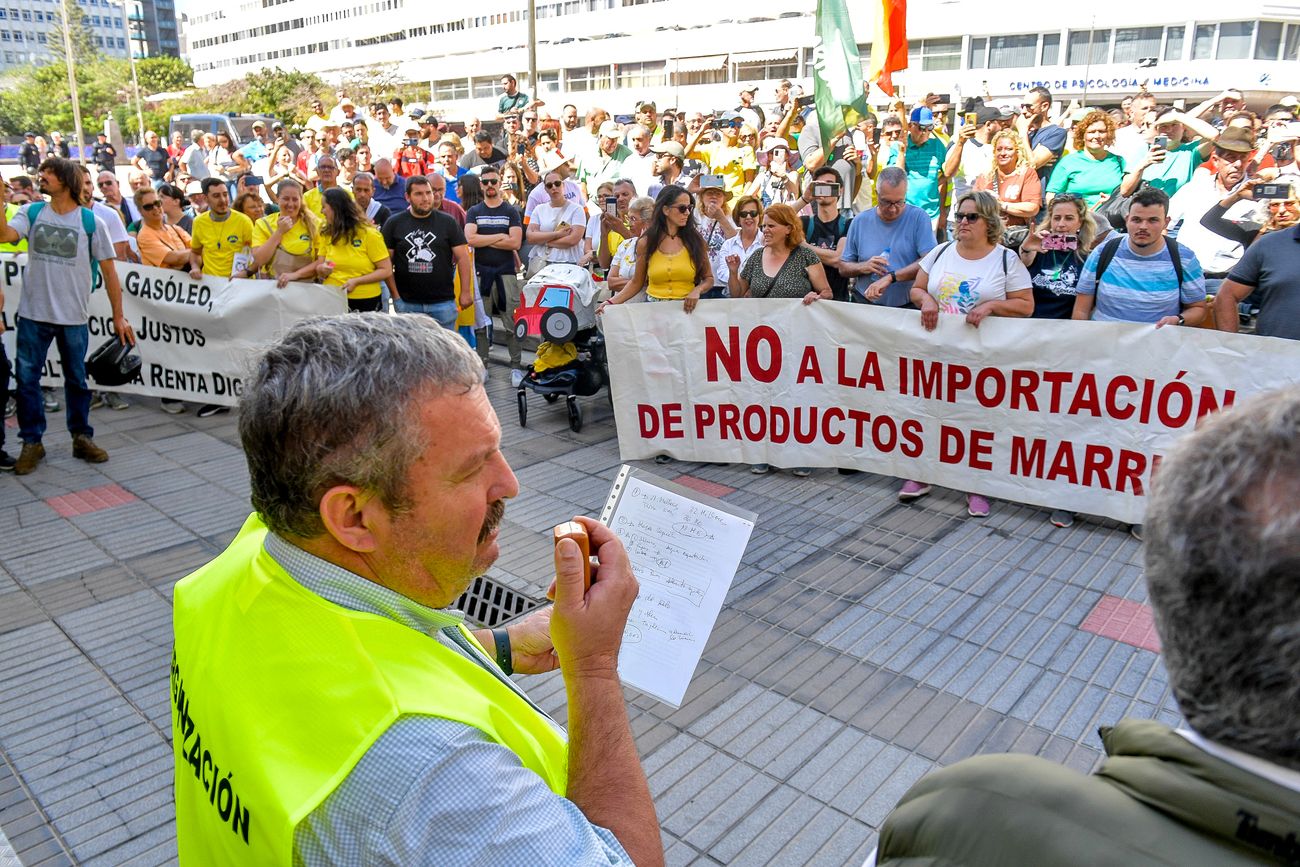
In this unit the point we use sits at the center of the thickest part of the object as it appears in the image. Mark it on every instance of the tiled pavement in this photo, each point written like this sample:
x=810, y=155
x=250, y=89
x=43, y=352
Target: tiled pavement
x=863, y=643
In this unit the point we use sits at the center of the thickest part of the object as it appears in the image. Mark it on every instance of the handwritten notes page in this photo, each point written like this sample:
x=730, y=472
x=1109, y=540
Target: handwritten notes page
x=685, y=548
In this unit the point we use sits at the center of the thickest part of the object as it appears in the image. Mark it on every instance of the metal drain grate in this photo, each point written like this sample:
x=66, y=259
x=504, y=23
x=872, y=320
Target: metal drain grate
x=489, y=603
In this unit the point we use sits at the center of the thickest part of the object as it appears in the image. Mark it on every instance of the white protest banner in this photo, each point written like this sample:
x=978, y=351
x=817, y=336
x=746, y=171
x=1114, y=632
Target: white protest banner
x=195, y=337
x=1070, y=415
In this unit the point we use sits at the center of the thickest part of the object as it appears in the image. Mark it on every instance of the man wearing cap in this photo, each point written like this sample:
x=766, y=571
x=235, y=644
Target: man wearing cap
x=411, y=159
x=447, y=167
x=1216, y=253
x=970, y=156
x=1270, y=269
x=639, y=165
x=103, y=154
x=921, y=156
x=715, y=228
x=198, y=201
x=254, y=151
x=647, y=115
x=484, y=153
x=670, y=158
x=29, y=155
x=606, y=162
x=749, y=109
x=513, y=100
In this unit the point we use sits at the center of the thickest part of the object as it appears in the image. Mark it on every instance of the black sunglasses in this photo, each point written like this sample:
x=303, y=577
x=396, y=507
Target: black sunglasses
x=747, y=215
x=489, y=182
x=967, y=218
x=550, y=185
x=152, y=206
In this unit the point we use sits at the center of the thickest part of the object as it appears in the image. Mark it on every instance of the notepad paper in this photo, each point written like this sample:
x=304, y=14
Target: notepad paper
x=685, y=548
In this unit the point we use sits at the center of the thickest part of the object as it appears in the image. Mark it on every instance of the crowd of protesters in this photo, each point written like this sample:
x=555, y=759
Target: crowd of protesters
x=1142, y=213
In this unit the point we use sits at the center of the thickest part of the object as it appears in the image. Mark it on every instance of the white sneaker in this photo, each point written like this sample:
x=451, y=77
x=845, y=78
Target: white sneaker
x=516, y=378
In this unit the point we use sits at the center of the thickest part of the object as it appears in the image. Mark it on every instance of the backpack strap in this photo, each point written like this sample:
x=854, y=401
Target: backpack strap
x=1104, y=258
x=1177, y=259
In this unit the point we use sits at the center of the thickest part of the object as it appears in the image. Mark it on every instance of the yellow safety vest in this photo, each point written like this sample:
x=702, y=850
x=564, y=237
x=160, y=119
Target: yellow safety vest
x=278, y=693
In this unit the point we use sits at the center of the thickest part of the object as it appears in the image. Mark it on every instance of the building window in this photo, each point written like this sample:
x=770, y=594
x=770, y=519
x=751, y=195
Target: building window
x=481, y=88
x=935, y=55
x=1269, y=41
x=648, y=74
x=979, y=52
x=711, y=76
x=444, y=91
x=1013, y=52
x=1234, y=40
x=1203, y=47
x=587, y=78
x=1051, y=49
x=1134, y=43
x=1174, y=42
x=1292, y=50
x=766, y=71
x=1078, y=53
x=549, y=82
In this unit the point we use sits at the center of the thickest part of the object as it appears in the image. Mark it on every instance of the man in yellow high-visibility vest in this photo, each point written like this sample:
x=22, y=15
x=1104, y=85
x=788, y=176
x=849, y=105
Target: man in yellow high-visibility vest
x=327, y=706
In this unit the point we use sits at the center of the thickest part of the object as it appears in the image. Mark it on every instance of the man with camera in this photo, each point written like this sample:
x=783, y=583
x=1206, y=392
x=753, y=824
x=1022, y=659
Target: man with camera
x=1216, y=253
x=66, y=244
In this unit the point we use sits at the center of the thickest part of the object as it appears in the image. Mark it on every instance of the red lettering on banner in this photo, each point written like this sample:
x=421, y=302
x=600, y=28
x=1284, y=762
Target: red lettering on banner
x=835, y=437
x=1023, y=385
x=760, y=335
x=1113, y=409
x=860, y=421
x=705, y=415
x=810, y=367
x=805, y=435
x=884, y=442
x=648, y=416
x=959, y=379
x=1063, y=464
x=913, y=445
x=1085, y=398
x=1056, y=379
x=981, y=447
x=729, y=421
x=926, y=379
x=715, y=352
x=1028, y=456
x=780, y=431
x=1209, y=403
x=982, y=381
x=673, y=422
x=1129, y=474
x=952, y=445
x=755, y=423
x=1096, y=461
x=870, y=373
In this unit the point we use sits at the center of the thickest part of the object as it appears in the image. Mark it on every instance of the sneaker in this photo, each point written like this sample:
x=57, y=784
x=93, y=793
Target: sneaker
x=977, y=506
x=801, y=472
x=96, y=400
x=28, y=458
x=911, y=491
x=663, y=459
x=760, y=469
x=845, y=471
x=173, y=407
x=7, y=463
x=1062, y=518
x=1135, y=530
x=516, y=378
x=208, y=410
x=11, y=407
x=113, y=400
x=51, y=402
x=84, y=448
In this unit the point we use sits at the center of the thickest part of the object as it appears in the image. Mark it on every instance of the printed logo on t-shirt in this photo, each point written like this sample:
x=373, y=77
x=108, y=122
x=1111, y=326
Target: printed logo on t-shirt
x=57, y=241
x=419, y=251
x=234, y=239
x=356, y=242
x=1060, y=282
x=957, y=293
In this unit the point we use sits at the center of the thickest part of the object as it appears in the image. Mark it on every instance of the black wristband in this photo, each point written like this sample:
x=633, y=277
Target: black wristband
x=501, y=639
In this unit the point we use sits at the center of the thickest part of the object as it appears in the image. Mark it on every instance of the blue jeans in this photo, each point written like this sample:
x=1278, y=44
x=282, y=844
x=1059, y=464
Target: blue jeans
x=34, y=339
x=442, y=311
x=6, y=369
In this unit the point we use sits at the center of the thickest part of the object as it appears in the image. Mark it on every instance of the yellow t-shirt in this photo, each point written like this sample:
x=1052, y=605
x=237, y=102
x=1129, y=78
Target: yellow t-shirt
x=314, y=198
x=219, y=241
x=731, y=163
x=670, y=276
x=353, y=257
x=296, y=242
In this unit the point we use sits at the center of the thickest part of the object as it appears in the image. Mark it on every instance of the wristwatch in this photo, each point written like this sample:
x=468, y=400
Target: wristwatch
x=1181, y=320
x=893, y=278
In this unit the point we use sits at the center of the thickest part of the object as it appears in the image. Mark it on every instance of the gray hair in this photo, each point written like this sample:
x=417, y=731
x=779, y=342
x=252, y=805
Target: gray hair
x=1222, y=556
x=986, y=205
x=363, y=176
x=333, y=402
x=891, y=176
x=642, y=206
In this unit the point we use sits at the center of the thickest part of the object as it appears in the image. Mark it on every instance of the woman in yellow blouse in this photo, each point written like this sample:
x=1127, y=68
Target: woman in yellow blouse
x=284, y=244
x=677, y=266
x=351, y=253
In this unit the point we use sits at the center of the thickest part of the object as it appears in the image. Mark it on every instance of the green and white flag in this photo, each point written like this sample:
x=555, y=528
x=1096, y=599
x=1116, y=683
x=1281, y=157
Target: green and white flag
x=837, y=72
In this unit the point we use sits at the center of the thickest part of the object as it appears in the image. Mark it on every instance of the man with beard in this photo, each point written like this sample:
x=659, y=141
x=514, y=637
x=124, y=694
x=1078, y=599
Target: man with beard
x=428, y=250
x=319, y=675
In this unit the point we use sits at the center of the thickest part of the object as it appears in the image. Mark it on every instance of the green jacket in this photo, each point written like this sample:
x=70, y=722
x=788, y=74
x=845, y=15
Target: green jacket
x=1157, y=799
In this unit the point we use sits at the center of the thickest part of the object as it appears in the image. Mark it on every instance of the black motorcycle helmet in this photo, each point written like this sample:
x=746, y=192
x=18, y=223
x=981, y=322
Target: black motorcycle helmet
x=113, y=363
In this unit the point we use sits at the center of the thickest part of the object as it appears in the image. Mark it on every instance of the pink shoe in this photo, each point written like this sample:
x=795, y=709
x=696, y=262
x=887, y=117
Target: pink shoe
x=977, y=506
x=911, y=491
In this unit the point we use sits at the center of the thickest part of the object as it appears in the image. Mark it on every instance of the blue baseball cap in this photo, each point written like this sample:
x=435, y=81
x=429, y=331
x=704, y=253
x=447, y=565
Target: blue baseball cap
x=922, y=116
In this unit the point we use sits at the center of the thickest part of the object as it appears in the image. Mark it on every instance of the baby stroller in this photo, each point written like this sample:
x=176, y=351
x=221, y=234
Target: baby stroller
x=559, y=305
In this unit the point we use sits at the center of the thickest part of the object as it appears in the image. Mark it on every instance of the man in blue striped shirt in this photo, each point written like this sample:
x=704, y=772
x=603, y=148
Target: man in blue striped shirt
x=1141, y=282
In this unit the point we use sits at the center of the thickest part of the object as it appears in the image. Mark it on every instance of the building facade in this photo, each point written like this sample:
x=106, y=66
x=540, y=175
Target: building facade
x=615, y=52
x=145, y=27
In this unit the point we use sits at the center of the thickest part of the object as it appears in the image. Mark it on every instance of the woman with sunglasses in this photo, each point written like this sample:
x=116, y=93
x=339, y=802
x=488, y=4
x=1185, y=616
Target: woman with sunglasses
x=161, y=245
x=173, y=206
x=672, y=262
x=556, y=228
x=737, y=249
x=974, y=277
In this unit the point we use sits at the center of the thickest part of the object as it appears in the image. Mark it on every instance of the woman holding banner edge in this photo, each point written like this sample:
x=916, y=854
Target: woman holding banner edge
x=974, y=276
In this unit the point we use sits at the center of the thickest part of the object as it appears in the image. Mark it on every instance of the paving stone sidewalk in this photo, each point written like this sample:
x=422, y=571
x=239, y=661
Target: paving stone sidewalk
x=863, y=643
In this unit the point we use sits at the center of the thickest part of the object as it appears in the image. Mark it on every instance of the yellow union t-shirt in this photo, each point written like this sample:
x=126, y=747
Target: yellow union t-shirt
x=219, y=241
x=353, y=257
x=314, y=201
x=296, y=242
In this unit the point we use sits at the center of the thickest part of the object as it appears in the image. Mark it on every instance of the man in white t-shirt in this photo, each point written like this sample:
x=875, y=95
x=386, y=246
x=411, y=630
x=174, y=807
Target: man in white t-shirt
x=970, y=154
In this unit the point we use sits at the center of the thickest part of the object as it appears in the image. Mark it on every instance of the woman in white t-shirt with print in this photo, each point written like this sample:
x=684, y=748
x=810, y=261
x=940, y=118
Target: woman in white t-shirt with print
x=975, y=277
x=556, y=228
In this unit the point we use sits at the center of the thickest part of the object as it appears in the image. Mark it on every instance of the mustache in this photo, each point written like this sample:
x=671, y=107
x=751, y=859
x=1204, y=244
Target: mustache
x=496, y=512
